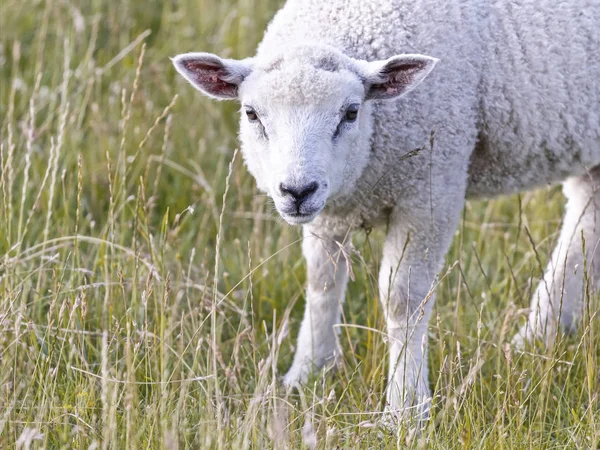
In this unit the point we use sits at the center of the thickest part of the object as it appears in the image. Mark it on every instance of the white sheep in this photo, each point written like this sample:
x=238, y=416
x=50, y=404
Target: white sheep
x=514, y=105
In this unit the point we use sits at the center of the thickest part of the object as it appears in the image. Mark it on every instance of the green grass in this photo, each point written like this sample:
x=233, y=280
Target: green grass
x=115, y=329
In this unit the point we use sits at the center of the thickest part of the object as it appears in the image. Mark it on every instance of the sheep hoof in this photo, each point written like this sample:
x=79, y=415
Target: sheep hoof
x=411, y=419
x=294, y=378
x=410, y=414
x=299, y=372
x=528, y=334
x=523, y=336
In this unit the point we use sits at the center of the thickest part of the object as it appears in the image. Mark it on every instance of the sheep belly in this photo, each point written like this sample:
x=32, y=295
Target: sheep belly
x=540, y=96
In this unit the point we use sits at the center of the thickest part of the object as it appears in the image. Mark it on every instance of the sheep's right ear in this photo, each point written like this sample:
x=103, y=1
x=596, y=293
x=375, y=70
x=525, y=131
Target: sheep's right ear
x=397, y=75
x=216, y=77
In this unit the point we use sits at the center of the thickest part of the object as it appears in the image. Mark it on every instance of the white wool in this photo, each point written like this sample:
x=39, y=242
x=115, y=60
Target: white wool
x=514, y=104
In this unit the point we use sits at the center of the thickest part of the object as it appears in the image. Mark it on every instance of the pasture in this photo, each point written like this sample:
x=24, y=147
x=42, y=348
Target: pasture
x=150, y=295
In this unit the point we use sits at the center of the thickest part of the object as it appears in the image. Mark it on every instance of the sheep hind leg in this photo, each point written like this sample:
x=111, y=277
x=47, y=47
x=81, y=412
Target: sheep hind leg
x=574, y=269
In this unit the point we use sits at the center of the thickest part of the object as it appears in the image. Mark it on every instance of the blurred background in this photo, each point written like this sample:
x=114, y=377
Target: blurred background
x=142, y=307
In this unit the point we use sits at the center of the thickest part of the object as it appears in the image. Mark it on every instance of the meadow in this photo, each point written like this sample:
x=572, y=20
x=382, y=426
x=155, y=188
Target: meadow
x=150, y=296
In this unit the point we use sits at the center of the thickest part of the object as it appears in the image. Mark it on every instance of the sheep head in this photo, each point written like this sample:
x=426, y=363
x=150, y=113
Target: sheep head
x=306, y=119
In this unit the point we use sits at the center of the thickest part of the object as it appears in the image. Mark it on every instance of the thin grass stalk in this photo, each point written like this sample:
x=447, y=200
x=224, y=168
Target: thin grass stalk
x=29, y=145
x=215, y=299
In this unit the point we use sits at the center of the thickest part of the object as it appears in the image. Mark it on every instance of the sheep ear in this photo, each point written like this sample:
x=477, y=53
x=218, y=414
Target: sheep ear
x=396, y=76
x=216, y=77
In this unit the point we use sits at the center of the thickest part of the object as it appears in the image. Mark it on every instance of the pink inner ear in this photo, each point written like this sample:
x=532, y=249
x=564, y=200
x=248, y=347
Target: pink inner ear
x=208, y=76
x=404, y=74
x=399, y=77
x=391, y=89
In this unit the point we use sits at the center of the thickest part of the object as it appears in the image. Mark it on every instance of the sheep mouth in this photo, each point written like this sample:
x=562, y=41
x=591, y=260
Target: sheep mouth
x=300, y=214
x=299, y=218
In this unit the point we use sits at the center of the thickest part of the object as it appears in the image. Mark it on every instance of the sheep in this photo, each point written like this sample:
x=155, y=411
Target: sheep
x=338, y=130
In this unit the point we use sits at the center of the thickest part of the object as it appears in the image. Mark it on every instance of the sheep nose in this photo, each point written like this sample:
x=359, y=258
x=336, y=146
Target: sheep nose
x=299, y=193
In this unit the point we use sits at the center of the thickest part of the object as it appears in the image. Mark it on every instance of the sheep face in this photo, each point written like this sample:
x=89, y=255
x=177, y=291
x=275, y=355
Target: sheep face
x=306, y=120
x=305, y=133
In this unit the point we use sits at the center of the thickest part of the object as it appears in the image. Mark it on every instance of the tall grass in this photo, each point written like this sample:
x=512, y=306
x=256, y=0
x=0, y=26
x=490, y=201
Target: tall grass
x=149, y=295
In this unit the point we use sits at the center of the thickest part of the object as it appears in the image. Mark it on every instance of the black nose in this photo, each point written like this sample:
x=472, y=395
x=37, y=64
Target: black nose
x=299, y=193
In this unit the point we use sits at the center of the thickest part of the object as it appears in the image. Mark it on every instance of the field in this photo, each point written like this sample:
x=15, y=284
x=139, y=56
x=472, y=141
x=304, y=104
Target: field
x=150, y=296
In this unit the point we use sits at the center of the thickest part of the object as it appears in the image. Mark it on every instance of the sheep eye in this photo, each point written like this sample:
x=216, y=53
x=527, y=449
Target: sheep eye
x=351, y=113
x=251, y=114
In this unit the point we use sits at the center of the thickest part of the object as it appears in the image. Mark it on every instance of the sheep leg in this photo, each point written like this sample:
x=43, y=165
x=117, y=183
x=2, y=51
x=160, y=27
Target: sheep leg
x=327, y=258
x=559, y=298
x=412, y=257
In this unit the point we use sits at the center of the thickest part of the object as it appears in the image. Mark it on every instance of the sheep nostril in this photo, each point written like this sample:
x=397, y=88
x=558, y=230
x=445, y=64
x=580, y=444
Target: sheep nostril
x=283, y=189
x=300, y=193
x=309, y=189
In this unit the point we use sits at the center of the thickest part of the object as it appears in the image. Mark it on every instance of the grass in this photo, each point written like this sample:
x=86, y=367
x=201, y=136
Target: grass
x=150, y=297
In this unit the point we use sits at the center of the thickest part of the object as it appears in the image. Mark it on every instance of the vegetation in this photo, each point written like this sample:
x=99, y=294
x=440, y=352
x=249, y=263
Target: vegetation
x=149, y=295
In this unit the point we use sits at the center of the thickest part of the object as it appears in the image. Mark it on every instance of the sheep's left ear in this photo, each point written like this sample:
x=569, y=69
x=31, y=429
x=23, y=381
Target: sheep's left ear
x=396, y=76
x=214, y=76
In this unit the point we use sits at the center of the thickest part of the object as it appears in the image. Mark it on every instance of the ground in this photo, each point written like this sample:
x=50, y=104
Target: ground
x=149, y=295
